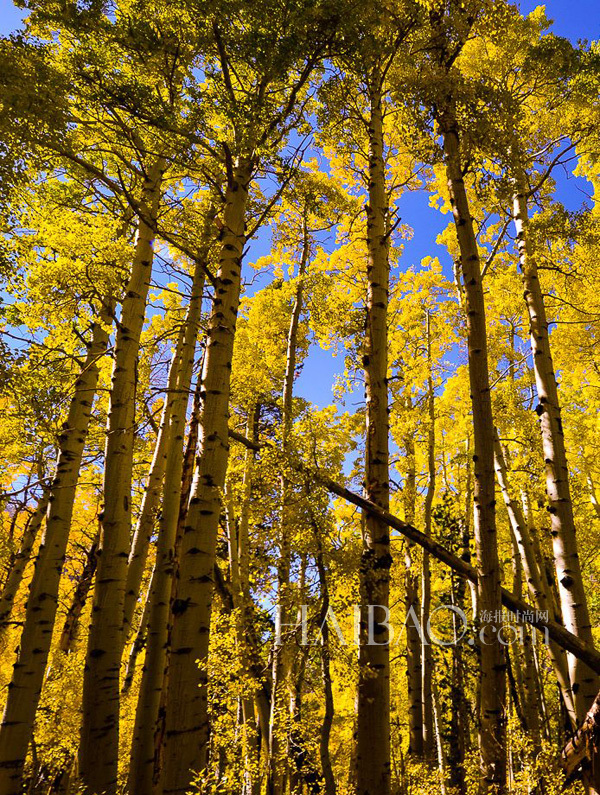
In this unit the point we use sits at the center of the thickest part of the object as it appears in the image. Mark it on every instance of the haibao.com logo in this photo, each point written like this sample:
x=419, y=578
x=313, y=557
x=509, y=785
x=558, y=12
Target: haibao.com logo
x=446, y=625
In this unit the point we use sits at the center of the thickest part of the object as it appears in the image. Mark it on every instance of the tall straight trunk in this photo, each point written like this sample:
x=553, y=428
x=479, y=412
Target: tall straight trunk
x=69, y=630
x=584, y=682
x=413, y=637
x=99, y=745
x=21, y=559
x=536, y=580
x=493, y=686
x=28, y=673
x=426, y=649
x=278, y=756
x=187, y=728
x=373, y=707
x=141, y=767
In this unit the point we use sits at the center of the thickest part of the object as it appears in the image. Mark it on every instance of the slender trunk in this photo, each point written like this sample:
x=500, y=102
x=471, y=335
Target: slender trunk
x=141, y=767
x=278, y=755
x=255, y=731
x=138, y=643
x=441, y=756
x=324, y=737
x=28, y=673
x=492, y=718
x=373, y=715
x=98, y=750
x=69, y=631
x=536, y=582
x=413, y=637
x=146, y=522
x=426, y=649
x=20, y=561
x=187, y=729
x=584, y=682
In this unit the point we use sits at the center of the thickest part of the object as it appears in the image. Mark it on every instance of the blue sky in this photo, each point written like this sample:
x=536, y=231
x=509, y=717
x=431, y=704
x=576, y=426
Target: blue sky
x=574, y=19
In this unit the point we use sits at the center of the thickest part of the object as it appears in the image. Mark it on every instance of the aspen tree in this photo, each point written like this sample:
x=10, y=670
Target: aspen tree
x=141, y=768
x=29, y=669
x=373, y=729
x=426, y=650
x=186, y=723
x=84, y=584
x=492, y=719
x=281, y=655
x=536, y=582
x=21, y=559
x=98, y=751
x=573, y=600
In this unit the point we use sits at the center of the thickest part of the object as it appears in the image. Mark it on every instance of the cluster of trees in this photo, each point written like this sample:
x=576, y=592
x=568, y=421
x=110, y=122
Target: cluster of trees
x=176, y=521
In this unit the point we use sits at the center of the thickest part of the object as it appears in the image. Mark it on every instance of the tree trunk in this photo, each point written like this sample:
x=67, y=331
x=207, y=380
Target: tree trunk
x=98, y=750
x=373, y=715
x=584, y=682
x=138, y=643
x=324, y=753
x=426, y=650
x=582, y=749
x=187, y=729
x=28, y=673
x=141, y=767
x=69, y=631
x=20, y=561
x=492, y=718
x=413, y=637
x=146, y=522
x=278, y=752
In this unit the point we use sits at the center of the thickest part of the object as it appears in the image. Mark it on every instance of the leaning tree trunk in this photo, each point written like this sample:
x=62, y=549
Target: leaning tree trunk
x=20, y=561
x=493, y=686
x=187, y=729
x=28, y=673
x=573, y=600
x=84, y=584
x=99, y=746
x=141, y=768
x=373, y=707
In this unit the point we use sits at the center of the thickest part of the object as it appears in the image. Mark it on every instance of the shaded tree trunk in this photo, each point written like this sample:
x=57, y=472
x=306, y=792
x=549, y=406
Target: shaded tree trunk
x=413, y=639
x=20, y=560
x=373, y=715
x=69, y=631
